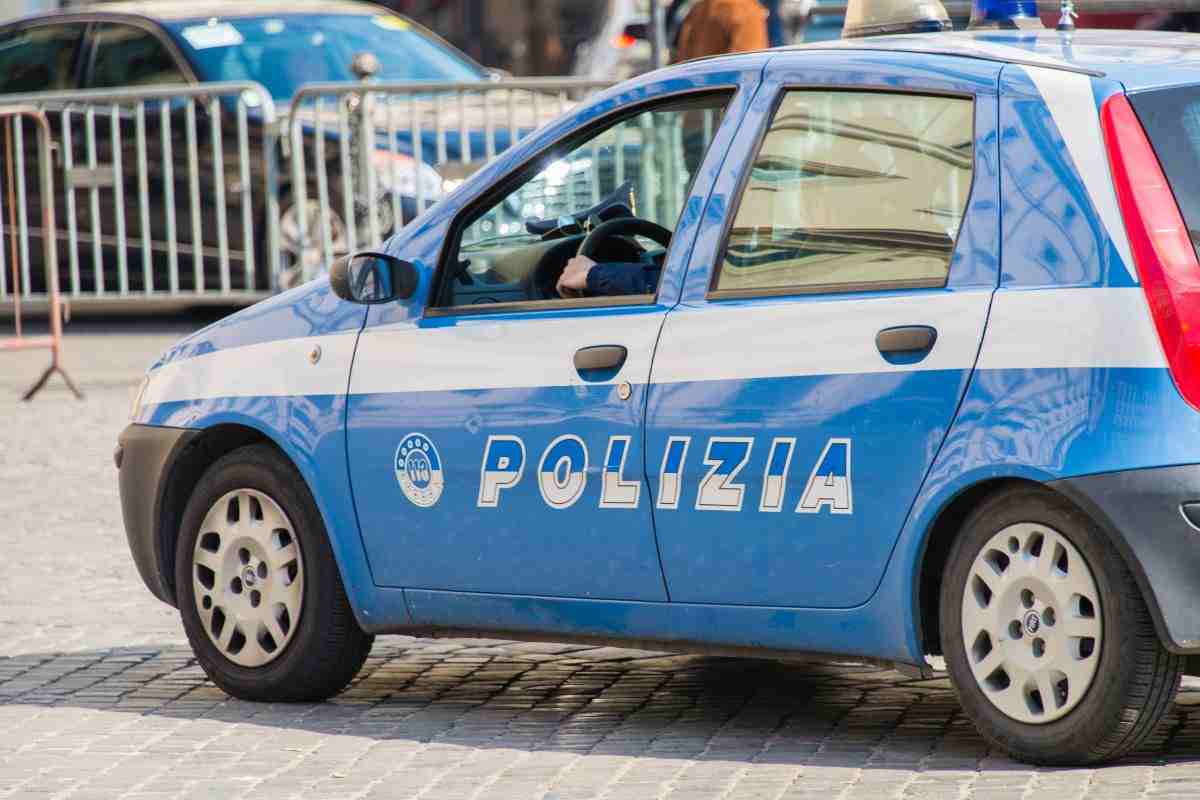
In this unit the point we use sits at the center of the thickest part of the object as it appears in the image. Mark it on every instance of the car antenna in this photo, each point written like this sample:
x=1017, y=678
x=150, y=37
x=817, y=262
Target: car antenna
x=1067, y=21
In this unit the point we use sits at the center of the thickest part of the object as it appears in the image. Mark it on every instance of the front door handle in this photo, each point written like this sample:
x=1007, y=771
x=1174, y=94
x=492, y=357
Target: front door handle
x=906, y=340
x=604, y=356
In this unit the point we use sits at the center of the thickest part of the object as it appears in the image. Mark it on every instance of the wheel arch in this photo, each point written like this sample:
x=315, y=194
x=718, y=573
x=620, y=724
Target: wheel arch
x=318, y=455
x=193, y=461
x=935, y=551
x=948, y=522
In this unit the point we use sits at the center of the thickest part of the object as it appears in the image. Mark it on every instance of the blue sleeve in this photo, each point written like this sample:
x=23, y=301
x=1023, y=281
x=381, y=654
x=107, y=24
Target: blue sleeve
x=616, y=278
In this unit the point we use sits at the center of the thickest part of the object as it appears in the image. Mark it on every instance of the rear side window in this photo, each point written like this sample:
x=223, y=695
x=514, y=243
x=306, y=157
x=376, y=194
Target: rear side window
x=39, y=59
x=852, y=191
x=129, y=56
x=1171, y=118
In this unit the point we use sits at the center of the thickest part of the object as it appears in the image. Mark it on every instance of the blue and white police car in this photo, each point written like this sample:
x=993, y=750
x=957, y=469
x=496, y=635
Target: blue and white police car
x=883, y=348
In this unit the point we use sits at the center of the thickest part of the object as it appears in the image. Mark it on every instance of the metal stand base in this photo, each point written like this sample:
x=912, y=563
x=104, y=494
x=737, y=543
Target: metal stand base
x=41, y=382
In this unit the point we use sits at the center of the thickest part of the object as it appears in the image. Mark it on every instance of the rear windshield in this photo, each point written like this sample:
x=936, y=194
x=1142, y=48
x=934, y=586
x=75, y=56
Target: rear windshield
x=1171, y=118
x=284, y=52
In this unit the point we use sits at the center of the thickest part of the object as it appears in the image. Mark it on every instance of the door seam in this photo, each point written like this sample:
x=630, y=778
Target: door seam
x=687, y=268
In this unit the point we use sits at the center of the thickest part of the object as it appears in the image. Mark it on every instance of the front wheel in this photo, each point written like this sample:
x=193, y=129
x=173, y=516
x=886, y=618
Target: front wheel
x=258, y=590
x=1046, y=636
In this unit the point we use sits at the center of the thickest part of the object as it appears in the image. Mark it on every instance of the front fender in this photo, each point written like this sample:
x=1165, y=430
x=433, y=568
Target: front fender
x=309, y=431
x=281, y=368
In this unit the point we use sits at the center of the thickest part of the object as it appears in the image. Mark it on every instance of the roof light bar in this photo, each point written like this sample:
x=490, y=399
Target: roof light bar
x=880, y=17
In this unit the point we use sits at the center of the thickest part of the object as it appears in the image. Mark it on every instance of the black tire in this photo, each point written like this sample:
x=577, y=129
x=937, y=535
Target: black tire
x=328, y=648
x=1136, y=677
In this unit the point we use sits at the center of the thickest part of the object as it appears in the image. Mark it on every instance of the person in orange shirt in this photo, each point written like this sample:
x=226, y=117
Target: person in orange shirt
x=715, y=27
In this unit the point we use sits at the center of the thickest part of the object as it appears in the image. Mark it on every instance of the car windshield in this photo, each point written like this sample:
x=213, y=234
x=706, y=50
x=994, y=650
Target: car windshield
x=285, y=51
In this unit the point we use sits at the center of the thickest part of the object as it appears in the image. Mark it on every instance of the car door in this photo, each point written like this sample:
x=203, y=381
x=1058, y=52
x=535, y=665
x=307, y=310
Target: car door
x=804, y=385
x=495, y=442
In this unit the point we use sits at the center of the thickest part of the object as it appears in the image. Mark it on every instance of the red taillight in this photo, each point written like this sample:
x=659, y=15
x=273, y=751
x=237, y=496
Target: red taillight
x=1160, y=241
x=624, y=41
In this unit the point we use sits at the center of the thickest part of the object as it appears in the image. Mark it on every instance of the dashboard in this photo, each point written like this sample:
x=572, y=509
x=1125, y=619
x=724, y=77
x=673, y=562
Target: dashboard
x=498, y=272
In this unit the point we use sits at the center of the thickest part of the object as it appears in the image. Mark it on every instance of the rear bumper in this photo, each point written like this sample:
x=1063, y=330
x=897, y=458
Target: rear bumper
x=144, y=457
x=1143, y=512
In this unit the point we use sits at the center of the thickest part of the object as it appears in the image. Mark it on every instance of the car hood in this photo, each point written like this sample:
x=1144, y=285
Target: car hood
x=311, y=309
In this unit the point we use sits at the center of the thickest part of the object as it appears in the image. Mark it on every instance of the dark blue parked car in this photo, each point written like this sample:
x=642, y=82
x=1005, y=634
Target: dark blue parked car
x=281, y=45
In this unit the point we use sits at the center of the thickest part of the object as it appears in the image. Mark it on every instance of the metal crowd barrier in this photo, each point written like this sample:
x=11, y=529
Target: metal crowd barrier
x=169, y=194
x=376, y=154
x=11, y=120
x=172, y=196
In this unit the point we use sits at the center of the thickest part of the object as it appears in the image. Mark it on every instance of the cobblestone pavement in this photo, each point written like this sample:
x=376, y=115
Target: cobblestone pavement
x=100, y=698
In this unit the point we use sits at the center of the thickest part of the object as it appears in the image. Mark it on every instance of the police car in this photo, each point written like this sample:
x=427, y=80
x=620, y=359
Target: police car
x=880, y=348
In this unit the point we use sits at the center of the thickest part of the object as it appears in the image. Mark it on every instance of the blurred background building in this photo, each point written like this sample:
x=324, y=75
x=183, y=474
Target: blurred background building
x=525, y=37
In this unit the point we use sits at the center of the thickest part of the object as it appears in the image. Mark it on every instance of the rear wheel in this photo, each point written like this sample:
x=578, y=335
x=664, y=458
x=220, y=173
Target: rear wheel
x=260, y=595
x=1047, y=637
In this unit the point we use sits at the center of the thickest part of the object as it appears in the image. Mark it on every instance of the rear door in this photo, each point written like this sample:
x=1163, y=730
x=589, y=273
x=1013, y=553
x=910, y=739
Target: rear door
x=802, y=389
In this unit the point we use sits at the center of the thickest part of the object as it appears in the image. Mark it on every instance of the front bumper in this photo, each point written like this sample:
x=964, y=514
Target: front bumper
x=144, y=457
x=1143, y=511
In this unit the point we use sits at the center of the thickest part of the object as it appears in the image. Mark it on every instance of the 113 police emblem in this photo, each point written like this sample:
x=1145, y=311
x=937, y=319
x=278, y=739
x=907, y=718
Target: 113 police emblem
x=419, y=470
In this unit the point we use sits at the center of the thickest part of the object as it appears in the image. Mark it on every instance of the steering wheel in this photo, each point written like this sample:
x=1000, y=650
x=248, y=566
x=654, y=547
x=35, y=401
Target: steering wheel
x=624, y=226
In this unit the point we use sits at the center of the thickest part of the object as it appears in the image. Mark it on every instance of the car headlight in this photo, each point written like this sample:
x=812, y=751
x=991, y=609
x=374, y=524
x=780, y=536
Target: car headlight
x=138, y=395
x=400, y=173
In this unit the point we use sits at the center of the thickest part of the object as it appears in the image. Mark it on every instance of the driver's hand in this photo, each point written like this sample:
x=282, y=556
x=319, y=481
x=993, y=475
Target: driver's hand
x=573, y=281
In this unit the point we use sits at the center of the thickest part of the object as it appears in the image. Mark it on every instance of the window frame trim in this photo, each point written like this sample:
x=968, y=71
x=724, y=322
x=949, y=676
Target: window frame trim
x=95, y=28
x=561, y=304
x=498, y=190
x=849, y=287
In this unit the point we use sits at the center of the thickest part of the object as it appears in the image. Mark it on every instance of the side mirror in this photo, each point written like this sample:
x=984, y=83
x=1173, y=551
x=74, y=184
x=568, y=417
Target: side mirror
x=371, y=278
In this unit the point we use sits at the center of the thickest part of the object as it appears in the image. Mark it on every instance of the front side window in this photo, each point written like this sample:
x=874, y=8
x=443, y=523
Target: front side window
x=853, y=191
x=129, y=56
x=39, y=59
x=614, y=197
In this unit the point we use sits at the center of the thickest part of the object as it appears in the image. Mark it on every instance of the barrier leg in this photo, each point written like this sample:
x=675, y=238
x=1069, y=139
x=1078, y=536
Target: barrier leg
x=37, y=386
x=53, y=342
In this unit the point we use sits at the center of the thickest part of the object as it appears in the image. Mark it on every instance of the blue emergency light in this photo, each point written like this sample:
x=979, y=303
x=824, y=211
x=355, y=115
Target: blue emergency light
x=1004, y=14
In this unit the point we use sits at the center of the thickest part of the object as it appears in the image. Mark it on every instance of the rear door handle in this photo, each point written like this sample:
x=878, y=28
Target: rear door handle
x=604, y=356
x=906, y=340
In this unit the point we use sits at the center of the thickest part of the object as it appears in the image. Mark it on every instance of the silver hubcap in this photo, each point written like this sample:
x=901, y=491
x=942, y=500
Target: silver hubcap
x=1031, y=623
x=248, y=577
x=304, y=257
